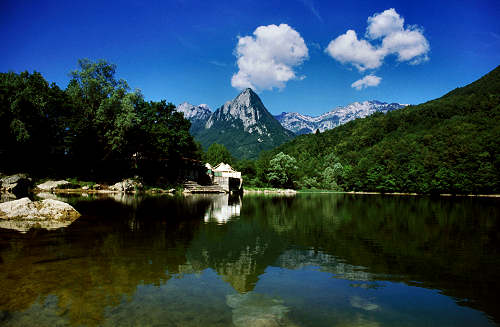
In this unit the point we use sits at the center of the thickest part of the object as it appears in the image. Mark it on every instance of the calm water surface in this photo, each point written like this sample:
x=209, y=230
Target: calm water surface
x=305, y=260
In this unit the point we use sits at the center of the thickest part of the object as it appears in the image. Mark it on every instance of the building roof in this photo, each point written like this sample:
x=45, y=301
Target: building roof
x=224, y=167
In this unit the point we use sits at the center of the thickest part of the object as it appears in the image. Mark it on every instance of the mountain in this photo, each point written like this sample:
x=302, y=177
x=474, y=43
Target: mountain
x=197, y=115
x=447, y=145
x=244, y=126
x=304, y=124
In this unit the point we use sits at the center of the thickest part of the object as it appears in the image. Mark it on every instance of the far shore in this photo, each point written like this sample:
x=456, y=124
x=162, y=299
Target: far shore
x=402, y=193
x=269, y=191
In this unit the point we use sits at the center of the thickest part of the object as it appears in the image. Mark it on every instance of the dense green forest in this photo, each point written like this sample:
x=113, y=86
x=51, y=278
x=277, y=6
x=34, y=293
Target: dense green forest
x=96, y=128
x=448, y=145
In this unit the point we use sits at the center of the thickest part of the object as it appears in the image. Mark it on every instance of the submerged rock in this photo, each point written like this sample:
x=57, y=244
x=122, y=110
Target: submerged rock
x=258, y=310
x=18, y=184
x=127, y=185
x=24, y=214
x=50, y=185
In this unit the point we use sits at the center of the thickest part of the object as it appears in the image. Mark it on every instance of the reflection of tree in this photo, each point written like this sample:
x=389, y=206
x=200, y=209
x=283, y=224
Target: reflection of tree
x=99, y=259
x=447, y=244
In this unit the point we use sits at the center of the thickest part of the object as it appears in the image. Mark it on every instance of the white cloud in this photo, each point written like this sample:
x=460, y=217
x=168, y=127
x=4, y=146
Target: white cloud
x=383, y=24
x=367, y=81
x=346, y=48
x=408, y=44
x=266, y=59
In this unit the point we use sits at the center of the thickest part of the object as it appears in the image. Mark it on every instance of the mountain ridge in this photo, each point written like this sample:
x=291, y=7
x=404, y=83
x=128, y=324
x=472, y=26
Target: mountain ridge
x=446, y=145
x=243, y=125
x=305, y=124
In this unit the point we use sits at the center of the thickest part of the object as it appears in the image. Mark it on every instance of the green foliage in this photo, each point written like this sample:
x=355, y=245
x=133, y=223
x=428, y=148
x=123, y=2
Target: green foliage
x=281, y=172
x=448, y=145
x=217, y=153
x=32, y=121
x=96, y=127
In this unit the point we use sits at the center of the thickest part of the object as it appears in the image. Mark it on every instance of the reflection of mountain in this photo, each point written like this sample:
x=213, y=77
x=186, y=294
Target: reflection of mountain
x=116, y=248
x=297, y=259
x=223, y=208
x=239, y=251
x=99, y=259
x=446, y=244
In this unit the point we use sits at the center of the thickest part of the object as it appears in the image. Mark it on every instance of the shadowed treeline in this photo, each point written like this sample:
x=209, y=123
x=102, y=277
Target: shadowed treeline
x=97, y=128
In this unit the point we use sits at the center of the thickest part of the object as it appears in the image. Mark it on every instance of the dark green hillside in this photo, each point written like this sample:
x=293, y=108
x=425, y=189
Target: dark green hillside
x=240, y=143
x=448, y=145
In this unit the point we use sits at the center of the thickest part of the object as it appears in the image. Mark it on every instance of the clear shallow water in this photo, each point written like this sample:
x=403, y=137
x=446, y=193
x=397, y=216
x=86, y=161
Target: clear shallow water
x=307, y=260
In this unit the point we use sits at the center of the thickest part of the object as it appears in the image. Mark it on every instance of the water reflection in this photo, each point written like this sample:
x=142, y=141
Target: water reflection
x=223, y=208
x=152, y=260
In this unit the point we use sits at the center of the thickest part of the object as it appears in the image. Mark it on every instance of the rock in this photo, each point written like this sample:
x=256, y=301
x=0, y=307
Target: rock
x=18, y=184
x=4, y=197
x=24, y=214
x=58, y=210
x=96, y=187
x=127, y=185
x=50, y=185
x=85, y=188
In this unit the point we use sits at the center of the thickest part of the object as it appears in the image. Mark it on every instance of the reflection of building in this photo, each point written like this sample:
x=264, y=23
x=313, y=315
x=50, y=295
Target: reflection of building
x=223, y=208
x=225, y=176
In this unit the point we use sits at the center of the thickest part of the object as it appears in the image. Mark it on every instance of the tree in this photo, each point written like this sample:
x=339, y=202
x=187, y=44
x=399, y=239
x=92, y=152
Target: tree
x=217, y=153
x=282, y=169
x=32, y=118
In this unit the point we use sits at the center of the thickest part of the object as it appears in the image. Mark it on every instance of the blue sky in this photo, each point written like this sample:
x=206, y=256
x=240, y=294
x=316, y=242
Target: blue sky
x=188, y=50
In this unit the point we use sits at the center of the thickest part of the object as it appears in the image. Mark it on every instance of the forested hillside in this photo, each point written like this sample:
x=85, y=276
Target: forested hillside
x=448, y=145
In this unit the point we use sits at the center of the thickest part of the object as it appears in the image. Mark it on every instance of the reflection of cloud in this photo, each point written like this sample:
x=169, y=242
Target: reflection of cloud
x=360, y=303
x=254, y=309
x=221, y=209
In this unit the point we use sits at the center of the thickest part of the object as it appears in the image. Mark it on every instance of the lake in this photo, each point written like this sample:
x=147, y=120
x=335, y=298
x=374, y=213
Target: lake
x=258, y=260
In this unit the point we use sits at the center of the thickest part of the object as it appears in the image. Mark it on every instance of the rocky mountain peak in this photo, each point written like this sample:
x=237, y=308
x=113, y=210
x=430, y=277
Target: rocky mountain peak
x=201, y=112
x=247, y=109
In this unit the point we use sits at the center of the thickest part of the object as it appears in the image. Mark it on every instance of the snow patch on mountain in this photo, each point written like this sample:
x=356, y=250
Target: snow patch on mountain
x=303, y=124
x=191, y=112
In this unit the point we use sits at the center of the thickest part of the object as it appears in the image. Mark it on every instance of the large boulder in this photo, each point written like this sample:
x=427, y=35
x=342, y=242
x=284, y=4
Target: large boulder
x=127, y=185
x=24, y=214
x=50, y=185
x=18, y=184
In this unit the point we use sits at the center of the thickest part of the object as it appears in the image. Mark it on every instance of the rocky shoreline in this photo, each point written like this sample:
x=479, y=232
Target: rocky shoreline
x=18, y=212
